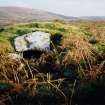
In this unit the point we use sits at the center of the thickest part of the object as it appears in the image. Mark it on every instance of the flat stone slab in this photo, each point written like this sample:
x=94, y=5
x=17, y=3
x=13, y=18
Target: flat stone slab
x=33, y=41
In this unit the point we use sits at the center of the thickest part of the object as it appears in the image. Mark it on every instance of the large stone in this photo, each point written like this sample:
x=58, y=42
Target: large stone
x=33, y=41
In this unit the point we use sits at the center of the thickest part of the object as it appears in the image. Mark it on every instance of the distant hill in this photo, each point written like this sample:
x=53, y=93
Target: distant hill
x=93, y=18
x=11, y=15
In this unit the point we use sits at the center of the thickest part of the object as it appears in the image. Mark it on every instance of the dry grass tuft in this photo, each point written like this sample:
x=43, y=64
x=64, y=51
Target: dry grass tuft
x=80, y=50
x=28, y=79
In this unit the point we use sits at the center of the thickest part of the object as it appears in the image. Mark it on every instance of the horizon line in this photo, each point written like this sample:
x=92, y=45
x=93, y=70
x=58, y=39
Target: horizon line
x=51, y=12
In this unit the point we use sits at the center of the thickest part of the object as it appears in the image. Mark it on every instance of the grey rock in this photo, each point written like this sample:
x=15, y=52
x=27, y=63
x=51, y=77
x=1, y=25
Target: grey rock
x=33, y=41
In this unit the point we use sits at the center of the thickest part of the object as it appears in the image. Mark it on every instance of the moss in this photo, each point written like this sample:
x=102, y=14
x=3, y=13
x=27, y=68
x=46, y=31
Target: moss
x=100, y=47
x=22, y=32
x=5, y=86
x=44, y=90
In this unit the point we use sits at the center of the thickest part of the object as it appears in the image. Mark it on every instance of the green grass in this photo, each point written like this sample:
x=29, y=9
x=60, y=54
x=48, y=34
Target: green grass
x=51, y=27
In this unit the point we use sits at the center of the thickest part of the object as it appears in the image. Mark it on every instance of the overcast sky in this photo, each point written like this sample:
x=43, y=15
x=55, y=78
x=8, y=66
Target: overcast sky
x=65, y=7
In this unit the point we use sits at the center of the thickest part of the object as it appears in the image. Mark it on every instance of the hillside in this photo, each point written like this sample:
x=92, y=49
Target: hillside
x=10, y=15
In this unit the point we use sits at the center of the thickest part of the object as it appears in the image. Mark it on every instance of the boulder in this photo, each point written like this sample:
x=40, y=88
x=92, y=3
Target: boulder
x=33, y=41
